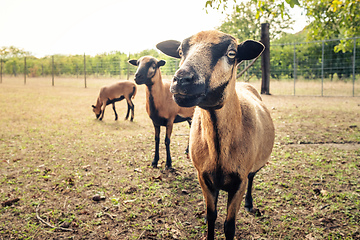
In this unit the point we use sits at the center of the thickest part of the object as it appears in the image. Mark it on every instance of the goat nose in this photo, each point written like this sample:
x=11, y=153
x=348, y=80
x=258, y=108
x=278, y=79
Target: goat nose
x=137, y=75
x=182, y=78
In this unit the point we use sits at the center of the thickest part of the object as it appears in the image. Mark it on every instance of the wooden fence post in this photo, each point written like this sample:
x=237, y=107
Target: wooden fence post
x=265, y=59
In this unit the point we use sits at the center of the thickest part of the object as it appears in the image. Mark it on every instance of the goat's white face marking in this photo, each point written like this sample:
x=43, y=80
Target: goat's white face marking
x=208, y=64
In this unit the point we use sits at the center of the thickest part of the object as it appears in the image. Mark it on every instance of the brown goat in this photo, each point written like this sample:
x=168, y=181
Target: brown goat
x=232, y=133
x=160, y=105
x=114, y=93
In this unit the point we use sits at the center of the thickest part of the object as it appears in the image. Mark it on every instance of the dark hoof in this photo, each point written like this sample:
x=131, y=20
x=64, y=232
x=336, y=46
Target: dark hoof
x=256, y=212
x=248, y=209
x=170, y=169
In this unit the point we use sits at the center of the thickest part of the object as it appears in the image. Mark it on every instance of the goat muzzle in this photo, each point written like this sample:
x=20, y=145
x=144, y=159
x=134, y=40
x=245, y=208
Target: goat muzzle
x=187, y=90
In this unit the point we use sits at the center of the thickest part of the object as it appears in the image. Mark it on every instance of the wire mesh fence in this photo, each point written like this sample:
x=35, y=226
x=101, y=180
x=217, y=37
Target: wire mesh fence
x=314, y=68
x=307, y=68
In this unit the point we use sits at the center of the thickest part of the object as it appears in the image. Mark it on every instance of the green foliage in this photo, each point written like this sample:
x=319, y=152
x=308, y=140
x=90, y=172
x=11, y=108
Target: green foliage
x=244, y=22
x=333, y=19
x=264, y=7
x=329, y=19
x=310, y=58
x=9, y=52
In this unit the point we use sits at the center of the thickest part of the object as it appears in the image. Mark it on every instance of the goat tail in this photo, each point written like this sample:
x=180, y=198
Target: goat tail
x=134, y=92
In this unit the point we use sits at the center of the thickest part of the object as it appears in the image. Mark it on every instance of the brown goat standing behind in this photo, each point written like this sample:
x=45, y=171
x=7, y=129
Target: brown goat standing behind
x=232, y=133
x=114, y=93
x=160, y=105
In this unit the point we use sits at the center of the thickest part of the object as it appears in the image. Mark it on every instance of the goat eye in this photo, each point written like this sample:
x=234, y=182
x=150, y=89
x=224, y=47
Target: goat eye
x=231, y=54
x=180, y=53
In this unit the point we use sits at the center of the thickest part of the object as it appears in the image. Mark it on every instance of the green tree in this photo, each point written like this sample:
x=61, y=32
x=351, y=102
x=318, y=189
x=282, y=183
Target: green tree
x=9, y=52
x=264, y=7
x=333, y=19
x=243, y=23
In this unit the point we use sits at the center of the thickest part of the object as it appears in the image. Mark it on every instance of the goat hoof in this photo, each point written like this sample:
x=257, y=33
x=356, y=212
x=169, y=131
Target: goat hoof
x=248, y=209
x=154, y=165
x=169, y=168
x=256, y=212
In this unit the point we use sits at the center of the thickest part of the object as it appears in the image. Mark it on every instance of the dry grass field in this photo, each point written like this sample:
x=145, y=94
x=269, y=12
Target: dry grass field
x=66, y=175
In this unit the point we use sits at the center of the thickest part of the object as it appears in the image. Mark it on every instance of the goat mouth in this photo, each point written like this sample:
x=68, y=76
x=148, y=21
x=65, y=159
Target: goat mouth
x=186, y=100
x=138, y=81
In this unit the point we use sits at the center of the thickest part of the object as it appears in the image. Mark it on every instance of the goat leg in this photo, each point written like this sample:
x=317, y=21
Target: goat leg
x=132, y=111
x=169, y=128
x=234, y=201
x=211, y=198
x=116, y=116
x=168, y=155
x=248, y=197
x=128, y=110
x=157, y=142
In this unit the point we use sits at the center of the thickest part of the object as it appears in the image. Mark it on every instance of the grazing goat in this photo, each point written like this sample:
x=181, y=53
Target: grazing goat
x=232, y=133
x=160, y=105
x=114, y=93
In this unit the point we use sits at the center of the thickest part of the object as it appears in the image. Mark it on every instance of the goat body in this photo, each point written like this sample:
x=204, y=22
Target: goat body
x=232, y=133
x=118, y=91
x=160, y=105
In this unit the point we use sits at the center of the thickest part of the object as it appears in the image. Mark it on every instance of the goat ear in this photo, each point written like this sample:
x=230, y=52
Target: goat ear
x=133, y=62
x=169, y=48
x=249, y=49
x=161, y=63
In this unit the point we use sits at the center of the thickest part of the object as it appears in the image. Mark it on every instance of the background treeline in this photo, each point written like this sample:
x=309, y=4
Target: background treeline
x=291, y=57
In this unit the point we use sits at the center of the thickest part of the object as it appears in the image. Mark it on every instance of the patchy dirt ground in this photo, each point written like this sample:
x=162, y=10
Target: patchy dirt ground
x=66, y=175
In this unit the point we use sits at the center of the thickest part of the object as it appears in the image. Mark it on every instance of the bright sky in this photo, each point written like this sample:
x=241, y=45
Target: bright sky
x=46, y=27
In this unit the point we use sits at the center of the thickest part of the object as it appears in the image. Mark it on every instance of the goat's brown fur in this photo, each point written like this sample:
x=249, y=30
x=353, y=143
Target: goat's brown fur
x=110, y=94
x=160, y=105
x=232, y=133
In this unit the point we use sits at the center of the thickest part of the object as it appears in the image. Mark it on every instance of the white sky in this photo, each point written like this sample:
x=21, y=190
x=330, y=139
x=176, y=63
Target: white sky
x=46, y=27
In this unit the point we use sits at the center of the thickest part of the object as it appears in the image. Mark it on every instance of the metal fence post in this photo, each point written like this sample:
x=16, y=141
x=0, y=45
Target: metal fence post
x=295, y=69
x=354, y=59
x=128, y=69
x=85, y=70
x=119, y=68
x=24, y=70
x=322, y=69
x=52, y=70
x=1, y=70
